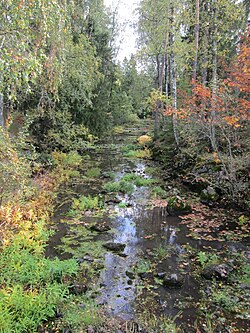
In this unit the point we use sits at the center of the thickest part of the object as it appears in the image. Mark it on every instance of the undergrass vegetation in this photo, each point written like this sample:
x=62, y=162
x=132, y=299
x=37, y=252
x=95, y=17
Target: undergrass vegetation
x=119, y=186
x=163, y=251
x=93, y=173
x=122, y=205
x=85, y=203
x=118, y=130
x=205, y=258
x=31, y=286
x=127, y=183
x=160, y=324
x=140, y=153
x=79, y=314
x=229, y=294
x=158, y=192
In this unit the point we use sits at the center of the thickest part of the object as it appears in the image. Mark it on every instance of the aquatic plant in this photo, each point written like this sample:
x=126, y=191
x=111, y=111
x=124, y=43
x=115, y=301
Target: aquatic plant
x=122, y=205
x=138, y=180
x=158, y=191
x=205, y=258
x=163, y=251
x=85, y=203
x=120, y=186
x=142, y=153
x=160, y=324
x=93, y=172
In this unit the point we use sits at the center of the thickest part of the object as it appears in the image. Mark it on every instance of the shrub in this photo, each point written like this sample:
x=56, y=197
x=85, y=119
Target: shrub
x=31, y=285
x=144, y=140
x=14, y=169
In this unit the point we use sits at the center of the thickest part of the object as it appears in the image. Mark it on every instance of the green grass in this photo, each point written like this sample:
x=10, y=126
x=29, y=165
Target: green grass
x=93, y=173
x=127, y=183
x=129, y=147
x=158, y=192
x=116, y=187
x=163, y=251
x=85, y=203
x=142, y=153
x=137, y=180
x=159, y=324
x=206, y=259
x=246, y=274
x=76, y=317
x=122, y=205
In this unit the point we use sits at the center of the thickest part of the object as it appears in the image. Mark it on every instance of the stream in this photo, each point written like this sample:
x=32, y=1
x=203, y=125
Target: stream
x=128, y=284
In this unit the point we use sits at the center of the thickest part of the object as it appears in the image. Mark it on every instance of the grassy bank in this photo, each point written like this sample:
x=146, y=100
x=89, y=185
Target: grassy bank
x=33, y=288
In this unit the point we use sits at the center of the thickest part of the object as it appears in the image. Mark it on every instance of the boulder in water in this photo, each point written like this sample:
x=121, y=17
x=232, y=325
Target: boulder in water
x=173, y=281
x=115, y=247
x=100, y=227
x=219, y=272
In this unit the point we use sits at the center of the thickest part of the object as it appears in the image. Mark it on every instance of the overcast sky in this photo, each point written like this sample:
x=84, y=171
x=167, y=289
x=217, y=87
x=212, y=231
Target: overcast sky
x=127, y=18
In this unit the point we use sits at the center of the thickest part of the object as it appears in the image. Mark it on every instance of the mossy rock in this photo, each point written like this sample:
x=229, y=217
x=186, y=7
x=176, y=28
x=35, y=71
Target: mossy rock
x=178, y=206
x=209, y=195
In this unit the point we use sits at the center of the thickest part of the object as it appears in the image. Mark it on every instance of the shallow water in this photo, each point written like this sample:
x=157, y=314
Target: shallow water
x=143, y=229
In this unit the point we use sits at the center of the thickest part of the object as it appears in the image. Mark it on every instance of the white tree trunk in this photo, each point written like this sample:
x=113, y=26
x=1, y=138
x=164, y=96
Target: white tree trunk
x=214, y=79
x=1, y=94
x=1, y=110
x=173, y=85
x=196, y=40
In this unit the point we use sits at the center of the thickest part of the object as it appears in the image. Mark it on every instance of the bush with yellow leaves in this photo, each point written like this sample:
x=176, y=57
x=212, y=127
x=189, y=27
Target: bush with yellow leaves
x=144, y=140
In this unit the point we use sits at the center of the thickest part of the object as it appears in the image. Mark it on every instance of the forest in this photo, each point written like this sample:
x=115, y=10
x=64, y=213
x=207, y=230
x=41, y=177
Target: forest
x=124, y=184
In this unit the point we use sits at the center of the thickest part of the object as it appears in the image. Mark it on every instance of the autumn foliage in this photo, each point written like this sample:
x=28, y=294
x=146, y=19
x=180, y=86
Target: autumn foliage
x=230, y=105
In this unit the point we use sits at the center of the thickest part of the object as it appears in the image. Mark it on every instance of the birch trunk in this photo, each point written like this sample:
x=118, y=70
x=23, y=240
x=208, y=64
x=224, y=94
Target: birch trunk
x=196, y=41
x=1, y=94
x=205, y=45
x=173, y=85
x=156, y=111
x=166, y=85
x=1, y=110
x=214, y=78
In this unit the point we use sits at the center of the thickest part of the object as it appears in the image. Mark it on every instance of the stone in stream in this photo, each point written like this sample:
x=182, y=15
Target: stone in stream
x=78, y=289
x=219, y=272
x=160, y=275
x=209, y=196
x=85, y=258
x=144, y=275
x=115, y=247
x=111, y=200
x=173, y=281
x=88, y=258
x=100, y=227
x=130, y=275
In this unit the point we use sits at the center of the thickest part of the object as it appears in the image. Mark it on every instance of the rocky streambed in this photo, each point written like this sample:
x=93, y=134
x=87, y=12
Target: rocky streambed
x=142, y=262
